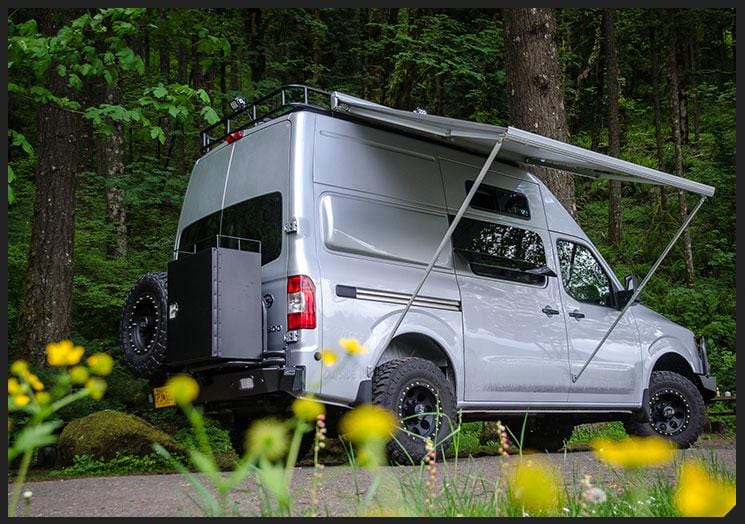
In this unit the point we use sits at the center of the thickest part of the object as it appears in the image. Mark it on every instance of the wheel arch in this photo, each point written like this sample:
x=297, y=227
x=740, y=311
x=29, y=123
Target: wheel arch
x=424, y=346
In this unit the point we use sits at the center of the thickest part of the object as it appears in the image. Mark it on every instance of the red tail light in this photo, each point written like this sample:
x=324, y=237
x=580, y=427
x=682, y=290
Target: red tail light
x=301, y=303
x=232, y=137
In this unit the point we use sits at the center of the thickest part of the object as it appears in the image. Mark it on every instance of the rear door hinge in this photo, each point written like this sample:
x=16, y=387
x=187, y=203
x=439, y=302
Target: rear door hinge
x=291, y=226
x=291, y=336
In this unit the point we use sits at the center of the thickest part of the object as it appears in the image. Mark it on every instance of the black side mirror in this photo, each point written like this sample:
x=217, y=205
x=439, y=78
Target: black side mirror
x=630, y=282
x=543, y=271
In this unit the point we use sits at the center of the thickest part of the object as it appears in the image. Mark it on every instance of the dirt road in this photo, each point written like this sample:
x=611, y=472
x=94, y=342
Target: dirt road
x=169, y=495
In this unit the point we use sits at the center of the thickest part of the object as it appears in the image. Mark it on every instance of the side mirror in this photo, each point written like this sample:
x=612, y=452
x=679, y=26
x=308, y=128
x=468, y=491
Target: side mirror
x=544, y=271
x=630, y=282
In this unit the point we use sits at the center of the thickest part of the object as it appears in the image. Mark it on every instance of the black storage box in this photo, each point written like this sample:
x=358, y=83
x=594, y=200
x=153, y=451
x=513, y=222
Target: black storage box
x=214, y=306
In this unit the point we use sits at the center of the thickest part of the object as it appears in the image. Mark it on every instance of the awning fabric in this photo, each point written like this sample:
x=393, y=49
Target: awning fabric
x=517, y=145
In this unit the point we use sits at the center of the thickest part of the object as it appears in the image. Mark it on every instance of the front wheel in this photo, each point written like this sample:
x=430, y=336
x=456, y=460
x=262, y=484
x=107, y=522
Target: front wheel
x=676, y=408
x=419, y=394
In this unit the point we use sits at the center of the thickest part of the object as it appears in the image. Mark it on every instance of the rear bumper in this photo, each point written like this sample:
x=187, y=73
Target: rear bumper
x=235, y=386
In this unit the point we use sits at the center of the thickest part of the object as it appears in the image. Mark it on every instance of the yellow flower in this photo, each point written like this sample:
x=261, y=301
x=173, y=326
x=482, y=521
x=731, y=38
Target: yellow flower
x=96, y=387
x=79, y=375
x=328, y=357
x=367, y=422
x=307, y=409
x=20, y=400
x=43, y=398
x=34, y=381
x=634, y=452
x=100, y=364
x=267, y=438
x=14, y=387
x=183, y=388
x=352, y=346
x=64, y=353
x=19, y=367
x=700, y=495
x=535, y=487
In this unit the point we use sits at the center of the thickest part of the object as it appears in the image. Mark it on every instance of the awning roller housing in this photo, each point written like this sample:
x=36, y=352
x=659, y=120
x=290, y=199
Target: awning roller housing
x=517, y=145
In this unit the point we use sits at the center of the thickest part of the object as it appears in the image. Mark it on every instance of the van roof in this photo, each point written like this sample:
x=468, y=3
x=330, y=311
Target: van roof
x=517, y=145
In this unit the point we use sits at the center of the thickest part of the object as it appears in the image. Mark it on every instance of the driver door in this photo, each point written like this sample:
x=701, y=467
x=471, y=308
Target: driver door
x=587, y=294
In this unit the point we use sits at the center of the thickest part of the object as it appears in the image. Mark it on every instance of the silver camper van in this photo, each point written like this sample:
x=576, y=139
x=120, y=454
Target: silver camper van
x=313, y=217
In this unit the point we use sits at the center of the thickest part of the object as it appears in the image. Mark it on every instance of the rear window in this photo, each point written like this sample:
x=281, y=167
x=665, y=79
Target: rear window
x=258, y=218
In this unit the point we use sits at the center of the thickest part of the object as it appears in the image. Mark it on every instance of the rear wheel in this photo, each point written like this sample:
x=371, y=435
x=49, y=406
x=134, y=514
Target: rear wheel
x=676, y=407
x=420, y=395
x=142, y=330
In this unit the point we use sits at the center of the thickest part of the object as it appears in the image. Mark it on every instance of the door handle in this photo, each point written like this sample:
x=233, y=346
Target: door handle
x=577, y=314
x=550, y=311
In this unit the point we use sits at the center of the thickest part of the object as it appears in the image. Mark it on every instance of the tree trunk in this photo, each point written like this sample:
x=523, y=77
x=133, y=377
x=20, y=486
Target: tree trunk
x=234, y=67
x=597, y=117
x=196, y=68
x=223, y=82
x=656, y=104
x=614, y=131
x=316, y=78
x=694, y=50
x=535, y=88
x=111, y=168
x=46, y=312
x=164, y=63
x=672, y=67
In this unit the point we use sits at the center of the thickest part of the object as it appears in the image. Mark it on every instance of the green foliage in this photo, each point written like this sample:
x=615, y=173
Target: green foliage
x=86, y=466
x=218, y=438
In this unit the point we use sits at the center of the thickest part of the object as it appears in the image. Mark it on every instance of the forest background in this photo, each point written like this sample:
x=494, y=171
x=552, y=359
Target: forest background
x=105, y=108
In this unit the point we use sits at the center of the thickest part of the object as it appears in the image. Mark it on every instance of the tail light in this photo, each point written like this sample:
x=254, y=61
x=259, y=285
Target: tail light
x=301, y=303
x=233, y=137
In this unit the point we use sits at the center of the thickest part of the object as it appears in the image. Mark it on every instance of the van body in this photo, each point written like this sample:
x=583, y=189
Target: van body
x=348, y=215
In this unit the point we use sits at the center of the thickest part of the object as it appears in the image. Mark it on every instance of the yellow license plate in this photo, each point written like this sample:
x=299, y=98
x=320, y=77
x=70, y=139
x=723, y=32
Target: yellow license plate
x=162, y=398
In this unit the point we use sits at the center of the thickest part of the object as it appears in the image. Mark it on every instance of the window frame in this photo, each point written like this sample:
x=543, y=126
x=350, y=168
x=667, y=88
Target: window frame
x=469, y=263
x=614, y=288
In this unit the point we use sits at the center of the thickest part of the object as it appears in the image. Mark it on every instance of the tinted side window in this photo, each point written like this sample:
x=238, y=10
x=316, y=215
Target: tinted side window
x=497, y=200
x=258, y=218
x=582, y=275
x=500, y=251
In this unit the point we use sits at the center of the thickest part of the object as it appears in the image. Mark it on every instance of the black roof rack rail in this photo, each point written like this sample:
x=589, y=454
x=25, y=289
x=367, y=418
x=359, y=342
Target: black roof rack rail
x=277, y=103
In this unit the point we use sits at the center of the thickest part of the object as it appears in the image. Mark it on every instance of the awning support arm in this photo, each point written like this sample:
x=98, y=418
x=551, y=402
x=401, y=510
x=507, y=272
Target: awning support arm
x=638, y=290
x=446, y=238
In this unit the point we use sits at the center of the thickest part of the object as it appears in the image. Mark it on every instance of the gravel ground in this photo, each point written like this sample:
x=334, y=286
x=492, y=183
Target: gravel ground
x=169, y=495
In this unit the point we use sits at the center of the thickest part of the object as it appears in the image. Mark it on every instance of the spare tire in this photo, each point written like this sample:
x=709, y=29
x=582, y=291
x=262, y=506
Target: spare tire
x=142, y=330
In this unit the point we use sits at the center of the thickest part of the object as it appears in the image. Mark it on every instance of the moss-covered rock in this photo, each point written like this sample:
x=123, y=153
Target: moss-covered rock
x=106, y=433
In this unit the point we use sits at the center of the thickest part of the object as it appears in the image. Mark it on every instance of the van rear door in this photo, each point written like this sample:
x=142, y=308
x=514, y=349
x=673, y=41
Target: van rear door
x=240, y=192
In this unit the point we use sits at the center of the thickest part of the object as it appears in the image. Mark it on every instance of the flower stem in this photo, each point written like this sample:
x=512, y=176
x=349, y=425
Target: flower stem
x=20, y=478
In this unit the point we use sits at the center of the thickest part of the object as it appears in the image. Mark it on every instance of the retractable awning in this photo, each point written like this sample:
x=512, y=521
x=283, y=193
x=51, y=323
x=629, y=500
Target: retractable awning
x=520, y=146
x=517, y=145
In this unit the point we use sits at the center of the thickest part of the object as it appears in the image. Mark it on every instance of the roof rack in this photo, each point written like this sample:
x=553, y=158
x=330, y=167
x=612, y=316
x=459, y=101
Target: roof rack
x=277, y=103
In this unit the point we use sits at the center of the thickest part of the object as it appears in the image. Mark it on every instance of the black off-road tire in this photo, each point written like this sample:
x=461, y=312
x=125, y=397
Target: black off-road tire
x=143, y=326
x=685, y=419
x=415, y=385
